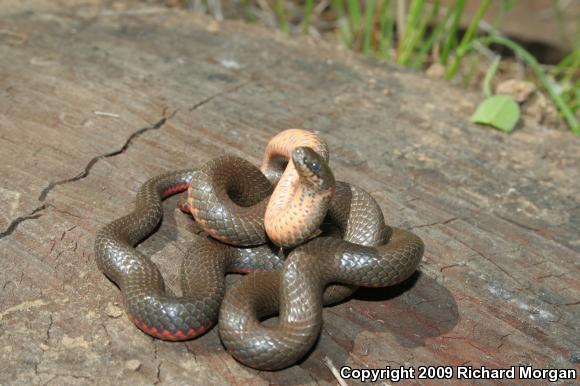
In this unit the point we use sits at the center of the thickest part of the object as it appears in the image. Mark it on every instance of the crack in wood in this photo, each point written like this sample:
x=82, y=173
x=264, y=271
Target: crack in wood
x=444, y=222
x=159, y=362
x=36, y=213
x=50, y=323
x=85, y=173
x=449, y=266
x=212, y=97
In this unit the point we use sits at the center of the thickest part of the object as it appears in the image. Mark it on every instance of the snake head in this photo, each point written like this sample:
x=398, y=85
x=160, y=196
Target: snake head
x=313, y=168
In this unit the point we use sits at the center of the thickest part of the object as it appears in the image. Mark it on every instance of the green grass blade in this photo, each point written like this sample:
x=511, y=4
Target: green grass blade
x=564, y=63
x=369, y=24
x=345, y=32
x=354, y=14
x=281, y=15
x=489, y=74
x=386, y=26
x=411, y=47
x=308, y=7
x=573, y=68
x=411, y=29
x=431, y=40
x=452, y=36
x=467, y=38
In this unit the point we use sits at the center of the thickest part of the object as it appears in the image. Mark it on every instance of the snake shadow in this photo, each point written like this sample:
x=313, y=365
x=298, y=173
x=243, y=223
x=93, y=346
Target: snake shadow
x=412, y=312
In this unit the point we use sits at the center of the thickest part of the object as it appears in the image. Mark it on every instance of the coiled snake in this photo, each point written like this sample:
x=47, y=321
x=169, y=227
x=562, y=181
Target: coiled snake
x=235, y=203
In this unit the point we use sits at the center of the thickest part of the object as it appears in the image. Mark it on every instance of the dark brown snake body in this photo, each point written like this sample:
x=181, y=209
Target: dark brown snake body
x=369, y=254
x=149, y=306
x=229, y=197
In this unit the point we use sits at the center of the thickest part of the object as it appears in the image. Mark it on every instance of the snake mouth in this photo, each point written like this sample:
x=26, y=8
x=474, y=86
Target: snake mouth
x=312, y=168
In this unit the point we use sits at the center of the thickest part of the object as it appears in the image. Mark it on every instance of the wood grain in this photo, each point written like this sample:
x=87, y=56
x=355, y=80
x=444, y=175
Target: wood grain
x=94, y=101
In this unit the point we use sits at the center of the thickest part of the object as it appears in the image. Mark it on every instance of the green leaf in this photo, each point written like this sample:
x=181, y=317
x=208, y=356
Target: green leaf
x=498, y=111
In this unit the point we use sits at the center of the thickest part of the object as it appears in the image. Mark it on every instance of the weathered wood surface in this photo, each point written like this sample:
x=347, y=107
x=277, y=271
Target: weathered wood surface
x=499, y=213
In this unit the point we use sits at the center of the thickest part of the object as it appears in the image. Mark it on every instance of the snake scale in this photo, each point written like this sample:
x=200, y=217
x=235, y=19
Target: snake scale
x=249, y=212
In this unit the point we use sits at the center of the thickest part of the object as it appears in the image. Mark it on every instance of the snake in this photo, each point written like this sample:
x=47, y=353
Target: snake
x=368, y=253
x=151, y=308
x=228, y=197
x=241, y=207
x=287, y=215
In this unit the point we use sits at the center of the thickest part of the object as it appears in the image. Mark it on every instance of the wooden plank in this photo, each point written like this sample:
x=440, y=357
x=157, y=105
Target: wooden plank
x=94, y=101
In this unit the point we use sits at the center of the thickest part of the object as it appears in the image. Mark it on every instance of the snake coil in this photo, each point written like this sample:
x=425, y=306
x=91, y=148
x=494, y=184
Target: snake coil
x=244, y=209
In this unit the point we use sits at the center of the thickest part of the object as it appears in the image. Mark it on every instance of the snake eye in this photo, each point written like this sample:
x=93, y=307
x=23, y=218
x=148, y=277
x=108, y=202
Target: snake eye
x=315, y=166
